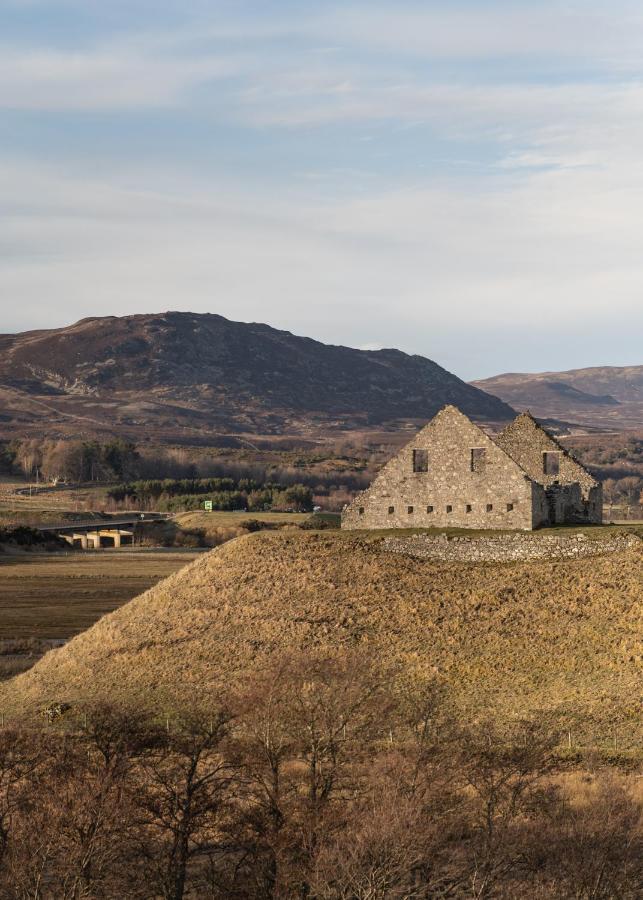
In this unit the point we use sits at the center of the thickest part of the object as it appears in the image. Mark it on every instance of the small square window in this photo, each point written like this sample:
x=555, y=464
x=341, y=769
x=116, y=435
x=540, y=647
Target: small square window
x=510, y=507
x=361, y=510
x=420, y=460
x=409, y=510
x=391, y=510
x=468, y=507
x=489, y=507
x=551, y=463
x=478, y=456
x=429, y=509
x=449, y=509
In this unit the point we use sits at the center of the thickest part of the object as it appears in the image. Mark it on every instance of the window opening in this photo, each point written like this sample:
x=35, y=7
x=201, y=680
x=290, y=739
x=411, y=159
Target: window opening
x=478, y=456
x=420, y=460
x=410, y=510
x=468, y=507
x=391, y=510
x=510, y=507
x=551, y=463
x=449, y=509
x=429, y=509
x=489, y=507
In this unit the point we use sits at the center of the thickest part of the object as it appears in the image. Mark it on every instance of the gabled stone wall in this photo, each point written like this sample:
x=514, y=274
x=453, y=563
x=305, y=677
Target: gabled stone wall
x=574, y=496
x=539, y=506
x=449, y=494
x=526, y=442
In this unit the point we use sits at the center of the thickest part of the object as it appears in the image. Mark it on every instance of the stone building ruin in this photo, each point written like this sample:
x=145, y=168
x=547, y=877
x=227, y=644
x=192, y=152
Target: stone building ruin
x=453, y=474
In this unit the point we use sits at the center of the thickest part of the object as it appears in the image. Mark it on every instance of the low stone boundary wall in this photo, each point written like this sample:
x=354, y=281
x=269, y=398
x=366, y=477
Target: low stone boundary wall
x=507, y=547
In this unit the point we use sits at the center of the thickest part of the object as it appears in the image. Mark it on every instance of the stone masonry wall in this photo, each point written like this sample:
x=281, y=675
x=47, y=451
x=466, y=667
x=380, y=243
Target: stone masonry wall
x=526, y=442
x=539, y=506
x=498, y=496
x=507, y=548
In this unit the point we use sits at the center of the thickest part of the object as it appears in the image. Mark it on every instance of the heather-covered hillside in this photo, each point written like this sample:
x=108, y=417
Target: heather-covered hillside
x=187, y=375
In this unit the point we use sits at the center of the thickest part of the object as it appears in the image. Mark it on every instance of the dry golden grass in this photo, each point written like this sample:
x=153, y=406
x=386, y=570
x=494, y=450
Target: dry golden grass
x=511, y=640
x=216, y=518
x=204, y=529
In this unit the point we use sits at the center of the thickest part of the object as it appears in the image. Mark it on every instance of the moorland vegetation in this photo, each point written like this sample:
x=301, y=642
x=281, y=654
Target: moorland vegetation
x=325, y=776
x=306, y=715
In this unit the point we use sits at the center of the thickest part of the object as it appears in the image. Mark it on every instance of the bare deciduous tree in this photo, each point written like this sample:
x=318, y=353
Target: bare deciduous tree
x=181, y=800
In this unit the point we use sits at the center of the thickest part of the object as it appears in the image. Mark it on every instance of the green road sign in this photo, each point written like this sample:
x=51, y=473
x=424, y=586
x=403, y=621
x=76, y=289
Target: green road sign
x=208, y=505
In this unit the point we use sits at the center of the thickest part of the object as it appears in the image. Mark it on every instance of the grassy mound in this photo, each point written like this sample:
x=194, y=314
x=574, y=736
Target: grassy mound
x=509, y=639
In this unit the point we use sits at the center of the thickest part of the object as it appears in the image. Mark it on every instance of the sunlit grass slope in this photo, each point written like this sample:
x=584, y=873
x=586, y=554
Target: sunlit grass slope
x=510, y=639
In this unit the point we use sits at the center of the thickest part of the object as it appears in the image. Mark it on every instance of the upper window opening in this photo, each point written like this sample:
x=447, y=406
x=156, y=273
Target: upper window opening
x=410, y=510
x=420, y=460
x=391, y=510
x=551, y=463
x=361, y=510
x=478, y=456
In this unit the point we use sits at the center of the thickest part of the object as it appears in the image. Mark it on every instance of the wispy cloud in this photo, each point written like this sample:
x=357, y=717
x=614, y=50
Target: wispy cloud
x=475, y=31
x=409, y=268
x=116, y=76
x=437, y=176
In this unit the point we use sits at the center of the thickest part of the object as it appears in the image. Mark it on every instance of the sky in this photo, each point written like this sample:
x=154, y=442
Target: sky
x=461, y=180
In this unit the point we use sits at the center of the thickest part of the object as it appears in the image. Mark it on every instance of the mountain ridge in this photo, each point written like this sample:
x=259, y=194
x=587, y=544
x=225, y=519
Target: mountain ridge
x=601, y=396
x=201, y=371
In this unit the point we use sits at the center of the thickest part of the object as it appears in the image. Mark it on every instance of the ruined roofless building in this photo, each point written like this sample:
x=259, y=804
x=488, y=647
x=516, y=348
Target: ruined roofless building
x=454, y=474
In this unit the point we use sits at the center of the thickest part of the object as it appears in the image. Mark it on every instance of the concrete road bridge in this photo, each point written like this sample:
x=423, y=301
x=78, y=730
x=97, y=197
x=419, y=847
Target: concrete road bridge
x=96, y=534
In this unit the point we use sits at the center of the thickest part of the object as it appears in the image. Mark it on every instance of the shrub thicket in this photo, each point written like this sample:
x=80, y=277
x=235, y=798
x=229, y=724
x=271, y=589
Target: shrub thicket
x=321, y=777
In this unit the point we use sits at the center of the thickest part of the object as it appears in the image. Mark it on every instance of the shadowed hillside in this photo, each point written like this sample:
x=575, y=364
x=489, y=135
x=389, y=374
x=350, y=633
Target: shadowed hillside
x=606, y=396
x=509, y=639
x=185, y=373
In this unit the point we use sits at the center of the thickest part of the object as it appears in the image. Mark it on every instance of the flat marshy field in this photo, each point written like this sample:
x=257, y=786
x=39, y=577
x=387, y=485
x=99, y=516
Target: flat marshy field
x=47, y=598
x=56, y=596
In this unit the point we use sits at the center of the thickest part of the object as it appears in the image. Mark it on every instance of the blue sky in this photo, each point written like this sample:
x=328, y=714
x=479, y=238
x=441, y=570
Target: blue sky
x=460, y=180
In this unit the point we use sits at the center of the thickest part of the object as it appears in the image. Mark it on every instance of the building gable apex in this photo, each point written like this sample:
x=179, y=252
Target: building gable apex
x=444, y=419
x=525, y=423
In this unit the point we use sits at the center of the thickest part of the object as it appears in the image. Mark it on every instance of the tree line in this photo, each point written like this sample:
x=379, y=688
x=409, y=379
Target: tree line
x=169, y=495
x=317, y=779
x=74, y=461
x=122, y=462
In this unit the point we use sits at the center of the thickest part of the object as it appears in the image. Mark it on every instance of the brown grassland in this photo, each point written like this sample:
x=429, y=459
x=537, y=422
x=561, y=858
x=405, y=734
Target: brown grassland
x=508, y=640
x=56, y=596
x=305, y=715
x=47, y=598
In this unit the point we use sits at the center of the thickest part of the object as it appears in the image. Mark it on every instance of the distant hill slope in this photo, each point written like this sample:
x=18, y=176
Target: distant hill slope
x=511, y=639
x=185, y=372
x=605, y=395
